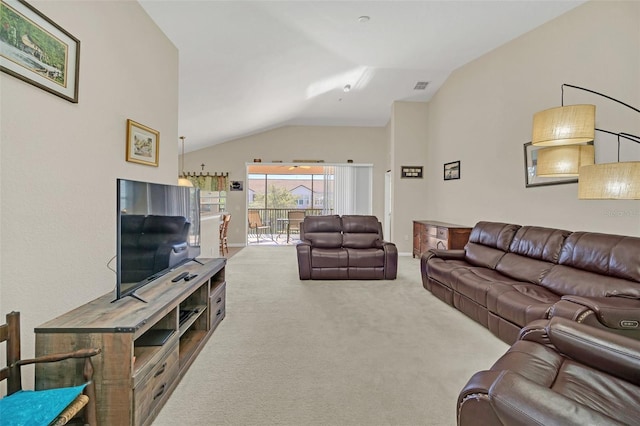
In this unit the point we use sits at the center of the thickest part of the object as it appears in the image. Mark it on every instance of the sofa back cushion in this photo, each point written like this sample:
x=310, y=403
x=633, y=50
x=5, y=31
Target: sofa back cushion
x=488, y=242
x=606, y=254
x=539, y=243
x=597, y=265
x=131, y=229
x=322, y=231
x=361, y=231
x=532, y=253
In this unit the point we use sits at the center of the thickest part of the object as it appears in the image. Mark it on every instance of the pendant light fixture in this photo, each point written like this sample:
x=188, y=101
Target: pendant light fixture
x=182, y=178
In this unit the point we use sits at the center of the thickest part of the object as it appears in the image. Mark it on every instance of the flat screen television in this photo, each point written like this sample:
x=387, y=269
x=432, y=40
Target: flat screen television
x=158, y=230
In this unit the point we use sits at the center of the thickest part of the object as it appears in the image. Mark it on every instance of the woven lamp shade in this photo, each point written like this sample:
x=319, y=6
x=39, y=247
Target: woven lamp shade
x=610, y=181
x=567, y=125
x=184, y=182
x=564, y=161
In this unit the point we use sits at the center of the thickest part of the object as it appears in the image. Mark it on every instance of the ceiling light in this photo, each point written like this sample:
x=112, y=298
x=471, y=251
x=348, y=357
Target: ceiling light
x=347, y=88
x=363, y=19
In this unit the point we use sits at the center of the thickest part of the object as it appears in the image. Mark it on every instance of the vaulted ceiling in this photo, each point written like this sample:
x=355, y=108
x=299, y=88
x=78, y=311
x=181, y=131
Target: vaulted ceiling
x=250, y=66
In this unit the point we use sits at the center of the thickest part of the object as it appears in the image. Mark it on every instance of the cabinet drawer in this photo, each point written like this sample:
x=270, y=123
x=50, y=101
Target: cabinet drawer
x=443, y=233
x=431, y=230
x=217, y=304
x=148, y=394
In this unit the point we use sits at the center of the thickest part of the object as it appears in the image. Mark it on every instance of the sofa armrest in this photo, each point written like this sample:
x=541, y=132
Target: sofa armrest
x=390, y=260
x=518, y=400
x=447, y=254
x=600, y=349
x=614, y=312
x=303, y=250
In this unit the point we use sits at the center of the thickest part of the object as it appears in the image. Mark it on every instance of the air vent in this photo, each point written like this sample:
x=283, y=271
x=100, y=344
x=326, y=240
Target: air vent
x=421, y=85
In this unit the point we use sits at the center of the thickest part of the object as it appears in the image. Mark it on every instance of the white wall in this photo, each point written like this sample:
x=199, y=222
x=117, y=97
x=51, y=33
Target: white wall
x=59, y=161
x=482, y=116
x=331, y=144
x=408, y=148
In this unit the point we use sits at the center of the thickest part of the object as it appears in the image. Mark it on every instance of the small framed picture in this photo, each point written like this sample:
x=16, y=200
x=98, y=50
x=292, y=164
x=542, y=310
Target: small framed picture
x=411, y=172
x=452, y=170
x=531, y=177
x=235, y=185
x=143, y=144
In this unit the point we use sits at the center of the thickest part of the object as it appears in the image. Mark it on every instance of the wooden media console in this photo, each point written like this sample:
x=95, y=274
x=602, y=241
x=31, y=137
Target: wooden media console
x=146, y=347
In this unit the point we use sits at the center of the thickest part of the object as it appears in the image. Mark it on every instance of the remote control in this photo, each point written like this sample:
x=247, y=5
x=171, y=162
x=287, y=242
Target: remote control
x=180, y=277
x=190, y=277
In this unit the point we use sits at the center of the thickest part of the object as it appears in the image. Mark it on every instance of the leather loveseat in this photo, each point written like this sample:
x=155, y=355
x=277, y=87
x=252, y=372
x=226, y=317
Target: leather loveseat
x=150, y=244
x=345, y=247
x=560, y=372
x=509, y=275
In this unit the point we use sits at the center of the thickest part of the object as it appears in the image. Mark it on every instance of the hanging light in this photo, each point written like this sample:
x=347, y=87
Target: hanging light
x=564, y=161
x=610, y=181
x=566, y=125
x=182, y=179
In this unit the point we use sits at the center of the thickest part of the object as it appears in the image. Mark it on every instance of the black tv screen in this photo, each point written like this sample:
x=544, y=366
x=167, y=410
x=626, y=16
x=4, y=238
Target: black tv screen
x=158, y=230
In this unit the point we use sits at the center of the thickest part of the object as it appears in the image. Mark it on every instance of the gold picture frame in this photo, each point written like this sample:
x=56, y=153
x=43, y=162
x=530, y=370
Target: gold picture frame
x=143, y=144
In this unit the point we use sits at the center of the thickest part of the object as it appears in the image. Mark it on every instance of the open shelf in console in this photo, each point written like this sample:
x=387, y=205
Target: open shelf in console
x=193, y=324
x=151, y=345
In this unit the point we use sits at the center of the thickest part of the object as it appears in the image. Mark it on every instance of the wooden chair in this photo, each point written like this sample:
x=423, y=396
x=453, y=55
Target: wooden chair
x=54, y=406
x=295, y=219
x=255, y=223
x=224, y=226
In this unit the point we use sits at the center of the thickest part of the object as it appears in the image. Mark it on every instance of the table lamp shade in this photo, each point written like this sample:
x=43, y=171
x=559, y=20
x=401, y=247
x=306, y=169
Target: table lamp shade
x=567, y=125
x=564, y=161
x=610, y=181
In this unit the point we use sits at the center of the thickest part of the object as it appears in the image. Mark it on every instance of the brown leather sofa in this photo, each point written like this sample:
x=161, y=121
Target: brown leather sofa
x=559, y=373
x=348, y=247
x=509, y=275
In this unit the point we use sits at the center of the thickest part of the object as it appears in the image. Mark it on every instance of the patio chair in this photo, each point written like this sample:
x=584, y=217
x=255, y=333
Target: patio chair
x=224, y=226
x=255, y=223
x=43, y=407
x=295, y=219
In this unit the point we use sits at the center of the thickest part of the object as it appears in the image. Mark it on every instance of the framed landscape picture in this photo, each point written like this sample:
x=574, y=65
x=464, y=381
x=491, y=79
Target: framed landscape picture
x=452, y=170
x=143, y=144
x=530, y=169
x=36, y=50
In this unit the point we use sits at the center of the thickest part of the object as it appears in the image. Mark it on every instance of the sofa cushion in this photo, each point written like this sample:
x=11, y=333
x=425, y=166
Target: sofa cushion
x=323, y=231
x=329, y=258
x=493, y=234
x=571, y=281
x=521, y=303
x=522, y=268
x=538, y=243
x=365, y=258
x=360, y=232
x=488, y=242
x=475, y=282
x=612, y=255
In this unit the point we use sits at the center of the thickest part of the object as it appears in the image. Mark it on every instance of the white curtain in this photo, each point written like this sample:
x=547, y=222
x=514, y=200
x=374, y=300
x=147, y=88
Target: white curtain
x=352, y=189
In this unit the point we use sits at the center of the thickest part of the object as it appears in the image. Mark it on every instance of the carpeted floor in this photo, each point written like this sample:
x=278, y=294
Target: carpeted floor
x=298, y=353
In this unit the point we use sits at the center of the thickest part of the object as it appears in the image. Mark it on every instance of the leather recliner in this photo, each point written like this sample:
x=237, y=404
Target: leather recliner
x=345, y=247
x=559, y=372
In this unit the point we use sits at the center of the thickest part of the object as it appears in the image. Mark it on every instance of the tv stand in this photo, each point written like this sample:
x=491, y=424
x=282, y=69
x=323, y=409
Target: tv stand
x=146, y=349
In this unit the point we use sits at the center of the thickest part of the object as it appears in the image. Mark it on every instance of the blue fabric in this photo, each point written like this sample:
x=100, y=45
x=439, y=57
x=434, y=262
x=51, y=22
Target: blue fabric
x=36, y=408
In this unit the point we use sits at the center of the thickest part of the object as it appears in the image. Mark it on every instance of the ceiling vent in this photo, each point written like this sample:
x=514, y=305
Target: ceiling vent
x=421, y=85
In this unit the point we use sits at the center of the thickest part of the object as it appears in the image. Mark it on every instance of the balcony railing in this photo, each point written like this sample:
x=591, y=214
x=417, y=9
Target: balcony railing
x=276, y=219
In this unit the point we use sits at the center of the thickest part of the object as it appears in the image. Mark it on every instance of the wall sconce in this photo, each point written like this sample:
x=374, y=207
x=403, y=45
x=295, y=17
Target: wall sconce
x=565, y=130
